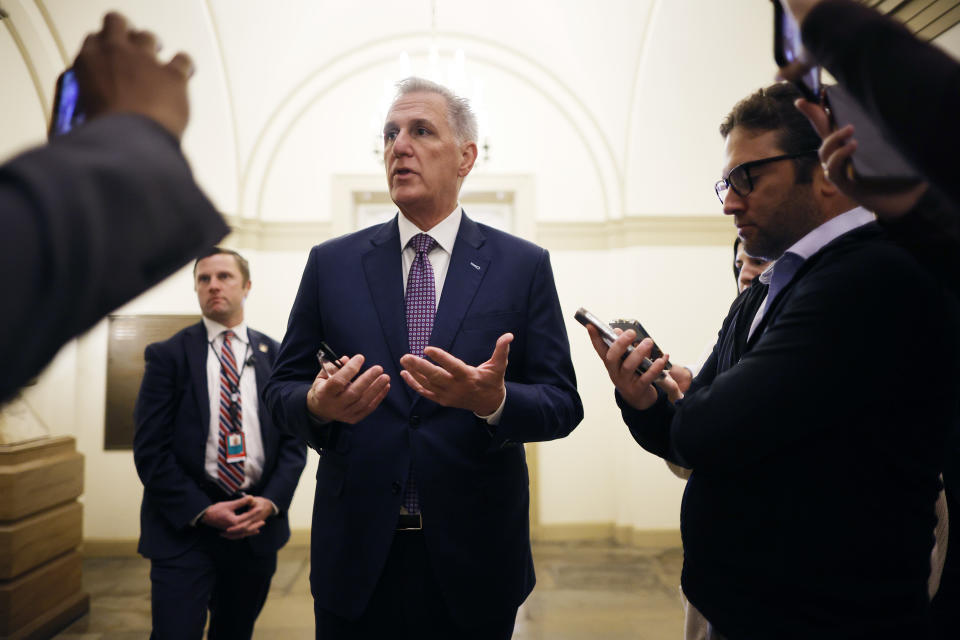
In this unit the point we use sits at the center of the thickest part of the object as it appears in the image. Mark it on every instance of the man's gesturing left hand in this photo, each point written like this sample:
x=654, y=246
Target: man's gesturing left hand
x=453, y=383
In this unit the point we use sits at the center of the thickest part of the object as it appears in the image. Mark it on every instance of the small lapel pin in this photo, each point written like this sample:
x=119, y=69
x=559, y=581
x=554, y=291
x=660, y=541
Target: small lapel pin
x=263, y=348
x=475, y=266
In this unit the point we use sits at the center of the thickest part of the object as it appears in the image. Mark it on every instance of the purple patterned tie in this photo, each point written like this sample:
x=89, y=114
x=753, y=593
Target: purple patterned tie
x=421, y=307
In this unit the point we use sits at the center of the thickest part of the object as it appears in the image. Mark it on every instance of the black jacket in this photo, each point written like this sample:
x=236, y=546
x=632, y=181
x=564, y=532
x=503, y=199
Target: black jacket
x=815, y=453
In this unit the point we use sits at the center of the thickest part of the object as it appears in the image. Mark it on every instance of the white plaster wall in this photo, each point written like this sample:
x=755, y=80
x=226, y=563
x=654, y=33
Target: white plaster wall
x=680, y=295
x=701, y=57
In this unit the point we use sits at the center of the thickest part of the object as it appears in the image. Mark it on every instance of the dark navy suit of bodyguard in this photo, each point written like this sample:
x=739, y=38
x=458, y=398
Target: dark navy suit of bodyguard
x=173, y=420
x=472, y=477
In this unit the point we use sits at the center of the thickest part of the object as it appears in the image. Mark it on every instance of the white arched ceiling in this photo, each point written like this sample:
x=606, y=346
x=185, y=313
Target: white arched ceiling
x=582, y=56
x=40, y=51
x=539, y=127
x=700, y=58
x=633, y=88
x=22, y=107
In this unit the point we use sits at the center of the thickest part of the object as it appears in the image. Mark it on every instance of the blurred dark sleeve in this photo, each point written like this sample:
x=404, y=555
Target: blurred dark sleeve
x=931, y=232
x=89, y=221
x=910, y=87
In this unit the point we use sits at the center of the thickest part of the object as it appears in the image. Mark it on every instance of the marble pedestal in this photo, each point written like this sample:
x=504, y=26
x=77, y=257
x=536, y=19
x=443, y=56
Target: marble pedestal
x=40, y=531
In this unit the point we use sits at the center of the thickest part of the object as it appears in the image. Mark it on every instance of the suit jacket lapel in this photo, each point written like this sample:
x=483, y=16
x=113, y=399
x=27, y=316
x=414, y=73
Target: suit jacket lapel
x=748, y=311
x=260, y=349
x=383, y=270
x=262, y=359
x=468, y=266
x=197, y=348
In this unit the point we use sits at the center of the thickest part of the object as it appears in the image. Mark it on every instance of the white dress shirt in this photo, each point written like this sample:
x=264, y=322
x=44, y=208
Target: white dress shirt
x=445, y=233
x=813, y=242
x=249, y=400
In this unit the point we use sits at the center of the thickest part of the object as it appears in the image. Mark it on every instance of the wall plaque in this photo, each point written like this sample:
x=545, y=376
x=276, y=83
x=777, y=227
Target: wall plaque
x=128, y=337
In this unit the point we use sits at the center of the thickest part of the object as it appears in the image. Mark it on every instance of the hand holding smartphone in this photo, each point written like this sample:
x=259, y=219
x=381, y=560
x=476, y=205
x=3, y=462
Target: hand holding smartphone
x=326, y=354
x=624, y=324
x=609, y=336
x=876, y=160
x=68, y=111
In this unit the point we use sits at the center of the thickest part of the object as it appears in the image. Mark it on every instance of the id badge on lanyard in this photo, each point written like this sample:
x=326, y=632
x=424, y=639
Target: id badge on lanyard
x=236, y=447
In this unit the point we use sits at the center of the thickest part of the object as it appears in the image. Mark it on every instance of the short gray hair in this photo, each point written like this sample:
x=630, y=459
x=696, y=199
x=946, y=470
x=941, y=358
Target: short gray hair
x=459, y=114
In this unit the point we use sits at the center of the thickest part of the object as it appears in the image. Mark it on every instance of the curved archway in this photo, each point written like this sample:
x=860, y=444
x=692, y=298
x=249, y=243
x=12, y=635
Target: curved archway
x=327, y=78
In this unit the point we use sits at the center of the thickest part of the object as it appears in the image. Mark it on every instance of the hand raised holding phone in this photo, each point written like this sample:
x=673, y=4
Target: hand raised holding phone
x=117, y=71
x=873, y=159
x=887, y=199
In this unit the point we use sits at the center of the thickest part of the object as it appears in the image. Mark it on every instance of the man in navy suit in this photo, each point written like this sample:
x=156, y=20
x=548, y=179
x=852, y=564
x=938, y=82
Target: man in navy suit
x=103, y=213
x=420, y=524
x=218, y=474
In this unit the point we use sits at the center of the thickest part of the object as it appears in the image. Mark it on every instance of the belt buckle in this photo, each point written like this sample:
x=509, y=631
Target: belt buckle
x=410, y=522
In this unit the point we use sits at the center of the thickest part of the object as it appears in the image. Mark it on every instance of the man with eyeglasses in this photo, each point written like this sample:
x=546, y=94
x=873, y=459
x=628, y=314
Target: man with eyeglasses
x=218, y=473
x=810, y=509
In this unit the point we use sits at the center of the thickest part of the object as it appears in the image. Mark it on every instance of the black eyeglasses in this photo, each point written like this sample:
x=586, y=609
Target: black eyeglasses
x=739, y=178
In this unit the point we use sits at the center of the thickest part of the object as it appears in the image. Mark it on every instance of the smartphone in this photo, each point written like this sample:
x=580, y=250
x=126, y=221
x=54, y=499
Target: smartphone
x=624, y=324
x=876, y=159
x=326, y=354
x=788, y=48
x=68, y=110
x=608, y=335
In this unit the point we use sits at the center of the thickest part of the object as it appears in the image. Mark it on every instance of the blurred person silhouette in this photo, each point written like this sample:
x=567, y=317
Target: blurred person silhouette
x=876, y=59
x=746, y=268
x=911, y=89
x=100, y=214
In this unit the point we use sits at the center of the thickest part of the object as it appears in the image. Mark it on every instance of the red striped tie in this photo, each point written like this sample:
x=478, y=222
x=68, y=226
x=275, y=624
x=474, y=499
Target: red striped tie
x=230, y=474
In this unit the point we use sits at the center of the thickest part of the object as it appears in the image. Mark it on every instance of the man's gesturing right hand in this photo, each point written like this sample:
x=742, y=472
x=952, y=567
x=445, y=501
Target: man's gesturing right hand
x=344, y=396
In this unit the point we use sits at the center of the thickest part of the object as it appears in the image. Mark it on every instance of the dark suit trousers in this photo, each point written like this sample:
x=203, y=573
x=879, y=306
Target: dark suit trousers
x=222, y=575
x=407, y=604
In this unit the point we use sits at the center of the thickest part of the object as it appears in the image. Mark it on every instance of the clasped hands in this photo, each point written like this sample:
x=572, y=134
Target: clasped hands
x=347, y=395
x=233, y=525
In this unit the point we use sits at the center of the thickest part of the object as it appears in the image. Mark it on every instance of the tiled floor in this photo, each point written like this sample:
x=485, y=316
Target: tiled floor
x=595, y=591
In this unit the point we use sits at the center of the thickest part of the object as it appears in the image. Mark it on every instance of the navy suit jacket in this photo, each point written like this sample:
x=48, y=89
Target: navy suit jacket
x=472, y=478
x=172, y=418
